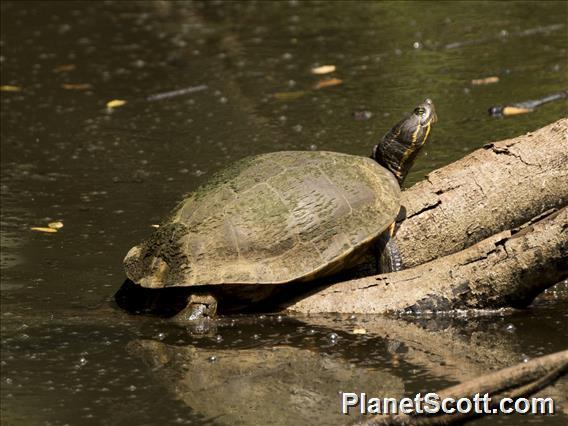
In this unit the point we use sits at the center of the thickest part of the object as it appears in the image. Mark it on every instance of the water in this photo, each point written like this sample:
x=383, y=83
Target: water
x=69, y=357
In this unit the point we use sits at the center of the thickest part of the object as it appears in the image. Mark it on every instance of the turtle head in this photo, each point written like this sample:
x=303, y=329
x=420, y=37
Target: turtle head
x=400, y=146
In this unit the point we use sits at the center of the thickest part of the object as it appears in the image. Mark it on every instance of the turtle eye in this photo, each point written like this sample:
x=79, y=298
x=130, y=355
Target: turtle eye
x=420, y=111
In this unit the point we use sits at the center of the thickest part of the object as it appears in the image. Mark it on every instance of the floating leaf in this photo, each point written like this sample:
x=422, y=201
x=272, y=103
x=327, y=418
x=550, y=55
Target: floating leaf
x=324, y=69
x=9, y=88
x=115, y=103
x=42, y=229
x=288, y=96
x=64, y=68
x=359, y=331
x=55, y=225
x=328, y=83
x=76, y=86
x=486, y=80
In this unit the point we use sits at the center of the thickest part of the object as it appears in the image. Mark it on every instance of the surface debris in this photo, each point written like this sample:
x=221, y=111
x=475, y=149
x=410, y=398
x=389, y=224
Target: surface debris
x=115, y=103
x=324, y=69
x=328, y=83
x=512, y=110
x=44, y=229
x=77, y=86
x=289, y=96
x=362, y=115
x=10, y=88
x=64, y=68
x=177, y=92
x=483, y=81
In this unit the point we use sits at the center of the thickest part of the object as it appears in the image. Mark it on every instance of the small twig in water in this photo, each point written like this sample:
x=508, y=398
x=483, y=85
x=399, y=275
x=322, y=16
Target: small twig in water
x=174, y=93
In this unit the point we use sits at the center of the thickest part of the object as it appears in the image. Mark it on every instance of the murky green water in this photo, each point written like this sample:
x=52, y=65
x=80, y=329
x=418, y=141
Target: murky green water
x=68, y=357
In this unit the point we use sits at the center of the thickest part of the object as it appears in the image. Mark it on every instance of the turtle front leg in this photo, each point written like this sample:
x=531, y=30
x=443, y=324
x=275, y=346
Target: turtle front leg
x=198, y=308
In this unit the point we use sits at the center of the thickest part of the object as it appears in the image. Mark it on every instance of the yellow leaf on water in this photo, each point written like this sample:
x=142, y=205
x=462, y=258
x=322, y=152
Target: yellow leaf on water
x=486, y=80
x=76, y=86
x=9, y=88
x=324, y=69
x=288, y=96
x=115, y=103
x=55, y=225
x=359, y=331
x=42, y=229
x=328, y=83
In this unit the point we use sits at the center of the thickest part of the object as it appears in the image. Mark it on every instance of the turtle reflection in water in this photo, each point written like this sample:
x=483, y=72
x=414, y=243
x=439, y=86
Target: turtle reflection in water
x=275, y=385
x=279, y=218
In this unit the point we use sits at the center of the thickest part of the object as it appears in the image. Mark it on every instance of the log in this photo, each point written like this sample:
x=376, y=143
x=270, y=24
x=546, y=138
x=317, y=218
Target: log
x=451, y=348
x=518, y=381
x=498, y=187
x=508, y=269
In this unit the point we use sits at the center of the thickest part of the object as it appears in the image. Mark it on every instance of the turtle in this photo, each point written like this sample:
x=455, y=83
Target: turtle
x=280, y=218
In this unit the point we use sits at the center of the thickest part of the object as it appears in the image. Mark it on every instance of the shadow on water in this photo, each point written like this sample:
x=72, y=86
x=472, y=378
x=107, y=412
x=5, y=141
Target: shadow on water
x=68, y=356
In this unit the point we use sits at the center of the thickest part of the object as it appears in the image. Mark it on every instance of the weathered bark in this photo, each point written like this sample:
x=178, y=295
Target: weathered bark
x=520, y=380
x=507, y=269
x=499, y=187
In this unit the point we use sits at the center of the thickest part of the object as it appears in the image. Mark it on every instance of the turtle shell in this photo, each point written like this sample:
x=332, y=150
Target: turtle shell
x=270, y=219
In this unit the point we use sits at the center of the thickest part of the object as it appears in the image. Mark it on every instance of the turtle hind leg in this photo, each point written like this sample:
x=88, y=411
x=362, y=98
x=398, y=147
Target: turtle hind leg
x=199, y=307
x=390, y=259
